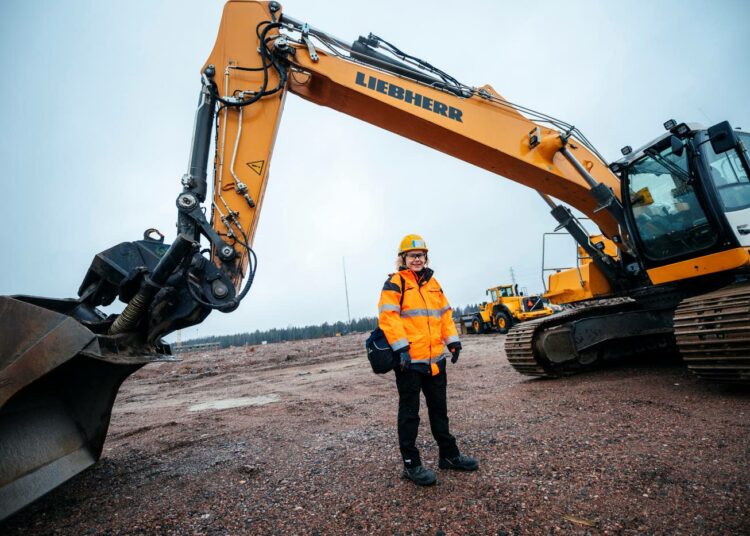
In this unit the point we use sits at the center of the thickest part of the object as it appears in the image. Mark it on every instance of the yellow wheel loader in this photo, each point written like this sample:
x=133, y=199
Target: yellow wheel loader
x=508, y=307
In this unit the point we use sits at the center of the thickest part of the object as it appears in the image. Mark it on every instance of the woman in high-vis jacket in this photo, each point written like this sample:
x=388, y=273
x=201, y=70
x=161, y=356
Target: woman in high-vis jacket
x=417, y=321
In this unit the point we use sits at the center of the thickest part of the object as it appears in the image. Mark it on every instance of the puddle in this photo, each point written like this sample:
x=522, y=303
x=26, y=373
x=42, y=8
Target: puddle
x=235, y=402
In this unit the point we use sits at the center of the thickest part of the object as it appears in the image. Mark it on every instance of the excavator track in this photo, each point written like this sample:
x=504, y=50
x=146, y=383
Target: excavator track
x=519, y=349
x=713, y=334
x=519, y=343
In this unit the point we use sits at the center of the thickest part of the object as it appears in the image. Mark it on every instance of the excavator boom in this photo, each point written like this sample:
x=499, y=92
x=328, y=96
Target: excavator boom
x=476, y=125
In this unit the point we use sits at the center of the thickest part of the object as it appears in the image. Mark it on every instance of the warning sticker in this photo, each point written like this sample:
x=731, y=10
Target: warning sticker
x=257, y=166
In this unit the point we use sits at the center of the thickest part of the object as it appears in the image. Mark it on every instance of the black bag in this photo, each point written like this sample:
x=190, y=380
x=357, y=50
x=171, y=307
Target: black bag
x=382, y=357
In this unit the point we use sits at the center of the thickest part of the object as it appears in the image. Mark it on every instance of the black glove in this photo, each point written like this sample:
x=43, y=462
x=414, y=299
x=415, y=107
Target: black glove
x=455, y=349
x=405, y=359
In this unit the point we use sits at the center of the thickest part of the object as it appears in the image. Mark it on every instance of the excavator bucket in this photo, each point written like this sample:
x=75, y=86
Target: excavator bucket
x=57, y=388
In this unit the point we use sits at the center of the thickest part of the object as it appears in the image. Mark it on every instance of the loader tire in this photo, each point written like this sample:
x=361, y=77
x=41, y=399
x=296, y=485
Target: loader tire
x=477, y=325
x=503, y=322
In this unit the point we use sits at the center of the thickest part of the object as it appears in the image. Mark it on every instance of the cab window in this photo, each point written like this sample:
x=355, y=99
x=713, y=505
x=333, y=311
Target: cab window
x=668, y=215
x=730, y=177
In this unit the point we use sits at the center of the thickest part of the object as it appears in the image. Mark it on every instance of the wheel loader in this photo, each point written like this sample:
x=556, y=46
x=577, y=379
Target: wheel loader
x=679, y=279
x=507, y=307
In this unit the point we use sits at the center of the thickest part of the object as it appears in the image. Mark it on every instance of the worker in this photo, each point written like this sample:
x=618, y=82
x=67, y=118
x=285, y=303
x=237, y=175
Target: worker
x=417, y=321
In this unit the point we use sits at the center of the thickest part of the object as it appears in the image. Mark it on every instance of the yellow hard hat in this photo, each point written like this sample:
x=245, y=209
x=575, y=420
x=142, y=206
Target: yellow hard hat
x=411, y=242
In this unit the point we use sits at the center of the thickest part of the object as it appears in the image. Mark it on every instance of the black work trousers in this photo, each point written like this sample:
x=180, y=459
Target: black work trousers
x=410, y=383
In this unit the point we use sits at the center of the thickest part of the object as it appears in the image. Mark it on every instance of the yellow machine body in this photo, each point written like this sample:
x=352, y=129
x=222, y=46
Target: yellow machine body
x=507, y=306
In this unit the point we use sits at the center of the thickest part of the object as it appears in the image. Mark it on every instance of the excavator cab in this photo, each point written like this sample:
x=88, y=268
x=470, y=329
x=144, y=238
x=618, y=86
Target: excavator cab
x=686, y=196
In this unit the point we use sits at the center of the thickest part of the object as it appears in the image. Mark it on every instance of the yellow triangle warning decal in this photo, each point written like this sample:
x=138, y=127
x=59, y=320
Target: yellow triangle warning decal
x=257, y=166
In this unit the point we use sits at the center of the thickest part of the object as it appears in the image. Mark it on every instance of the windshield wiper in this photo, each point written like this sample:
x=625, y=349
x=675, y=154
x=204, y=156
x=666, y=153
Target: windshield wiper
x=671, y=167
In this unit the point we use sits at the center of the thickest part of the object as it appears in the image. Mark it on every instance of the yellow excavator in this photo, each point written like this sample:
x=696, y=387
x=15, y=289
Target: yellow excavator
x=675, y=210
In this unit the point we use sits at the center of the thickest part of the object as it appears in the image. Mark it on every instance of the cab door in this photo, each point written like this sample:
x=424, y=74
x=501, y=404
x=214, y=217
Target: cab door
x=730, y=180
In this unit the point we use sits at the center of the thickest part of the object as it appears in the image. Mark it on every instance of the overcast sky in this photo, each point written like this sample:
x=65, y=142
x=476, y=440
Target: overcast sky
x=98, y=100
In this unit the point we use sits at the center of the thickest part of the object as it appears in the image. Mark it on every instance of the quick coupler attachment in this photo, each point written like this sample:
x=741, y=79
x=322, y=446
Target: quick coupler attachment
x=139, y=304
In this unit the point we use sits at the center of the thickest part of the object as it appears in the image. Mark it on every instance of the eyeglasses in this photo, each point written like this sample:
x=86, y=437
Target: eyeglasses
x=415, y=256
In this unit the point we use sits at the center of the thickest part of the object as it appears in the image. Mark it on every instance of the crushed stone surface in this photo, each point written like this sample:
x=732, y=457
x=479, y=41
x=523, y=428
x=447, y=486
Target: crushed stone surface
x=300, y=438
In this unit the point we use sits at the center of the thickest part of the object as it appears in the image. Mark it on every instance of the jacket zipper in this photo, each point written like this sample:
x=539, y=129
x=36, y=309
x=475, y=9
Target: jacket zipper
x=429, y=330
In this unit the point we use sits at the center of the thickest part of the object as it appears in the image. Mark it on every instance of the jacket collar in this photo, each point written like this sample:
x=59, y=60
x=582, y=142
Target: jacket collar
x=420, y=279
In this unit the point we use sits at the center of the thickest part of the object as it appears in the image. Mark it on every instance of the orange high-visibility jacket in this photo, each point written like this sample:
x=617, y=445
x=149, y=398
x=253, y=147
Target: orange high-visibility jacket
x=422, y=320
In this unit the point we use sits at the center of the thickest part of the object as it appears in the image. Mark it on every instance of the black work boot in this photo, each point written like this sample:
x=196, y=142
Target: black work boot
x=459, y=463
x=420, y=476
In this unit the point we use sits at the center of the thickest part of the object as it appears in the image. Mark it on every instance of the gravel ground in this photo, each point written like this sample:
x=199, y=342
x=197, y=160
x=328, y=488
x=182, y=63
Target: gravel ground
x=310, y=448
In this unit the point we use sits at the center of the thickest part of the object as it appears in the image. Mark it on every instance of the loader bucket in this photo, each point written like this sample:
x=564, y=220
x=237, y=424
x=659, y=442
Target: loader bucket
x=57, y=389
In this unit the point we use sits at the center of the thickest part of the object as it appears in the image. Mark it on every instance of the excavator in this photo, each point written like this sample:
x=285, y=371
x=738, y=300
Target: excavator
x=670, y=273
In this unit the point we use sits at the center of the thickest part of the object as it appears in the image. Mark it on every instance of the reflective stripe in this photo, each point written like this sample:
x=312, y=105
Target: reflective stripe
x=420, y=366
x=428, y=360
x=445, y=309
x=425, y=364
x=401, y=343
x=389, y=307
x=434, y=359
x=411, y=313
x=452, y=338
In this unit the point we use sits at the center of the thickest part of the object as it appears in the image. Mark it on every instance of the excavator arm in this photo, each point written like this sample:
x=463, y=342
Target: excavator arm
x=261, y=53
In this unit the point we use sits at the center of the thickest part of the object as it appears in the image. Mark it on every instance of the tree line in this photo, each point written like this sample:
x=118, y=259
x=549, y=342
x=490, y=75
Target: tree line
x=295, y=333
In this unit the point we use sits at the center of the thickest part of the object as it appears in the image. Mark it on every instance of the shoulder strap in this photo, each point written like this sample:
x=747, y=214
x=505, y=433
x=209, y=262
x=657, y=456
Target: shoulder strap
x=403, y=290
